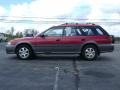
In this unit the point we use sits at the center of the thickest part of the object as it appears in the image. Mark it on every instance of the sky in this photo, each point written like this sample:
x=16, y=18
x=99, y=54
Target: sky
x=42, y=14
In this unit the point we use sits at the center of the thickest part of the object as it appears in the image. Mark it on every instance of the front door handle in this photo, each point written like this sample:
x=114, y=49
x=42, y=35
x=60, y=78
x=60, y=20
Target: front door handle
x=57, y=39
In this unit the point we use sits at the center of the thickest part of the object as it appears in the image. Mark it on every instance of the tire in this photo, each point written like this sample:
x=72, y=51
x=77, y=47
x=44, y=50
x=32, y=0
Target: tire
x=24, y=52
x=89, y=52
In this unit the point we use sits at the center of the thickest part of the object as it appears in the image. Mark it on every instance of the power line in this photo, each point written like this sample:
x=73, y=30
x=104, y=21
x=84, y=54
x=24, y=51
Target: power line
x=29, y=20
x=70, y=18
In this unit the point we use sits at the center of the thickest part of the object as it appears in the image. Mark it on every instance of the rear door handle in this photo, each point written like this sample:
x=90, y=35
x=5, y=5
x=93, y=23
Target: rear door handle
x=82, y=40
x=57, y=39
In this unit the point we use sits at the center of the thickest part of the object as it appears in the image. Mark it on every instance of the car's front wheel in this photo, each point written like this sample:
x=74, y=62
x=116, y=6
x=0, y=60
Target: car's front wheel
x=24, y=52
x=89, y=52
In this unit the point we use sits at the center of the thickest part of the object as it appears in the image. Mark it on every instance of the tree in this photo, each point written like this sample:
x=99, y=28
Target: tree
x=34, y=32
x=12, y=30
x=10, y=33
x=30, y=32
x=19, y=34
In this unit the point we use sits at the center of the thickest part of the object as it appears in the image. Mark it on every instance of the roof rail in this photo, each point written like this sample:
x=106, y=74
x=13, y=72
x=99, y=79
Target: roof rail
x=90, y=23
x=69, y=23
x=79, y=23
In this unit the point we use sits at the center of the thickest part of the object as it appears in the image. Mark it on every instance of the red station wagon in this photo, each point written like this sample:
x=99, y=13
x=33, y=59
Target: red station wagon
x=87, y=40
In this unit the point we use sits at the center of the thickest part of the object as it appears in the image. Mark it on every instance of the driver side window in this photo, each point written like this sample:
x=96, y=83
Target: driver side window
x=54, y=32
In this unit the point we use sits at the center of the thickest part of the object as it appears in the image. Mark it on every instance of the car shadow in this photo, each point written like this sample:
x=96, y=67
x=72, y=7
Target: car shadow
x=101, y=58
x=47, y=58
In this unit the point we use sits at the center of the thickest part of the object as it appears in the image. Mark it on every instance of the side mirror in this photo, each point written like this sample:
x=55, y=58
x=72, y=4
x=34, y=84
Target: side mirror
x=42, y=35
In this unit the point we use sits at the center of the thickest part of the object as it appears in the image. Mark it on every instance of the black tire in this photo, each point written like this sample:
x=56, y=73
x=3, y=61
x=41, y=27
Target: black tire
x=87, y=55
x=29, y=52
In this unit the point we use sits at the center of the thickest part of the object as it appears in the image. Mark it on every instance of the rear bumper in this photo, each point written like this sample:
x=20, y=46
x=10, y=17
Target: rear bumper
x=10, y=49
x=106, y=48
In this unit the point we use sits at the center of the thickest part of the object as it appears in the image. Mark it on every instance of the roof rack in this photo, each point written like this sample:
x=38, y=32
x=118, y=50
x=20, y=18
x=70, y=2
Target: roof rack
x=88, y=23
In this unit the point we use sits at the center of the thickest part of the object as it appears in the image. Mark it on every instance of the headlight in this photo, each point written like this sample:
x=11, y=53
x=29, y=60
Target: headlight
x=9, y=43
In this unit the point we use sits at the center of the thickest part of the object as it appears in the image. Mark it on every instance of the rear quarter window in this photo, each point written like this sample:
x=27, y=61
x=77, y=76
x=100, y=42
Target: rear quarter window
x=100, y=31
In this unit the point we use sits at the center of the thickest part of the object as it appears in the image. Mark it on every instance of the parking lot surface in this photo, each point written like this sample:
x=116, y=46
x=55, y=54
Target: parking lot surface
x=60, y=72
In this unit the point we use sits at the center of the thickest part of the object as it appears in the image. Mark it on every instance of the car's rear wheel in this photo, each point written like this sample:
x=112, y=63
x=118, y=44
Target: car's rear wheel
x=89, y=52
x=24, y=52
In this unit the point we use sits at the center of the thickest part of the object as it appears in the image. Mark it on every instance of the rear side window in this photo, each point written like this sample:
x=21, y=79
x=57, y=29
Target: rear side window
x=99, y=32
x=89, y=31
x=79, y=31
x=72, y=31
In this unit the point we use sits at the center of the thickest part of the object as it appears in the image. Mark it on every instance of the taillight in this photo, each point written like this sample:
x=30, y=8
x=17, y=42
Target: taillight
x=112, y=38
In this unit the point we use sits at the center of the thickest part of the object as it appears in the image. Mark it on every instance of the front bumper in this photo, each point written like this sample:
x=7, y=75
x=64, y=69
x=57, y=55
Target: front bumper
x=10, y=49
x=106, y=48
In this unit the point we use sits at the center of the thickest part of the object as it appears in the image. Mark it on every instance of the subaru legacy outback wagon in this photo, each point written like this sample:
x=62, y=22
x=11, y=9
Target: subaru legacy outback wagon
x=87, y=40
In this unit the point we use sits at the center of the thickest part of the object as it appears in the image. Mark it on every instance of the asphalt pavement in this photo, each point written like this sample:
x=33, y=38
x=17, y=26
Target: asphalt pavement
x=60, y=72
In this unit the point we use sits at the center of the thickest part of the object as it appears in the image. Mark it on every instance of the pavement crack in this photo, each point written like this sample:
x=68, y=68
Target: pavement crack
x=76, y=74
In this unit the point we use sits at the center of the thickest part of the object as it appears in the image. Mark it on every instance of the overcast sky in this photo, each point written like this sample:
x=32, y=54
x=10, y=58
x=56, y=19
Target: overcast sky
x=41, y=14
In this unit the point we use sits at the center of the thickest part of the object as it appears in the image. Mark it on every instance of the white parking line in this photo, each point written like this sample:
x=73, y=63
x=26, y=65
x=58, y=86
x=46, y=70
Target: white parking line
x=56, y=78
x=116, y=44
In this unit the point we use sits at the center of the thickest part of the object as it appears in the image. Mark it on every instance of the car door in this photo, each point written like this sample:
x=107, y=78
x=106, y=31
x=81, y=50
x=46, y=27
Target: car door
x=50, y=41
x=72, y=39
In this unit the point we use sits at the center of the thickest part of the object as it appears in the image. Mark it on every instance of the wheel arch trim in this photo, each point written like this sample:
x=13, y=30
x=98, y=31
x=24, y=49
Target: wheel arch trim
x=20, y=43
x=90, y=43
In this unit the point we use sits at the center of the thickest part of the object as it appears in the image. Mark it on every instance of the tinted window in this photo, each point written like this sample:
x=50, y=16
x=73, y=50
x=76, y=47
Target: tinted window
x=72, y=31
x=88, y=31
x=54, y=32
x=79, y=31
x=99, y=31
